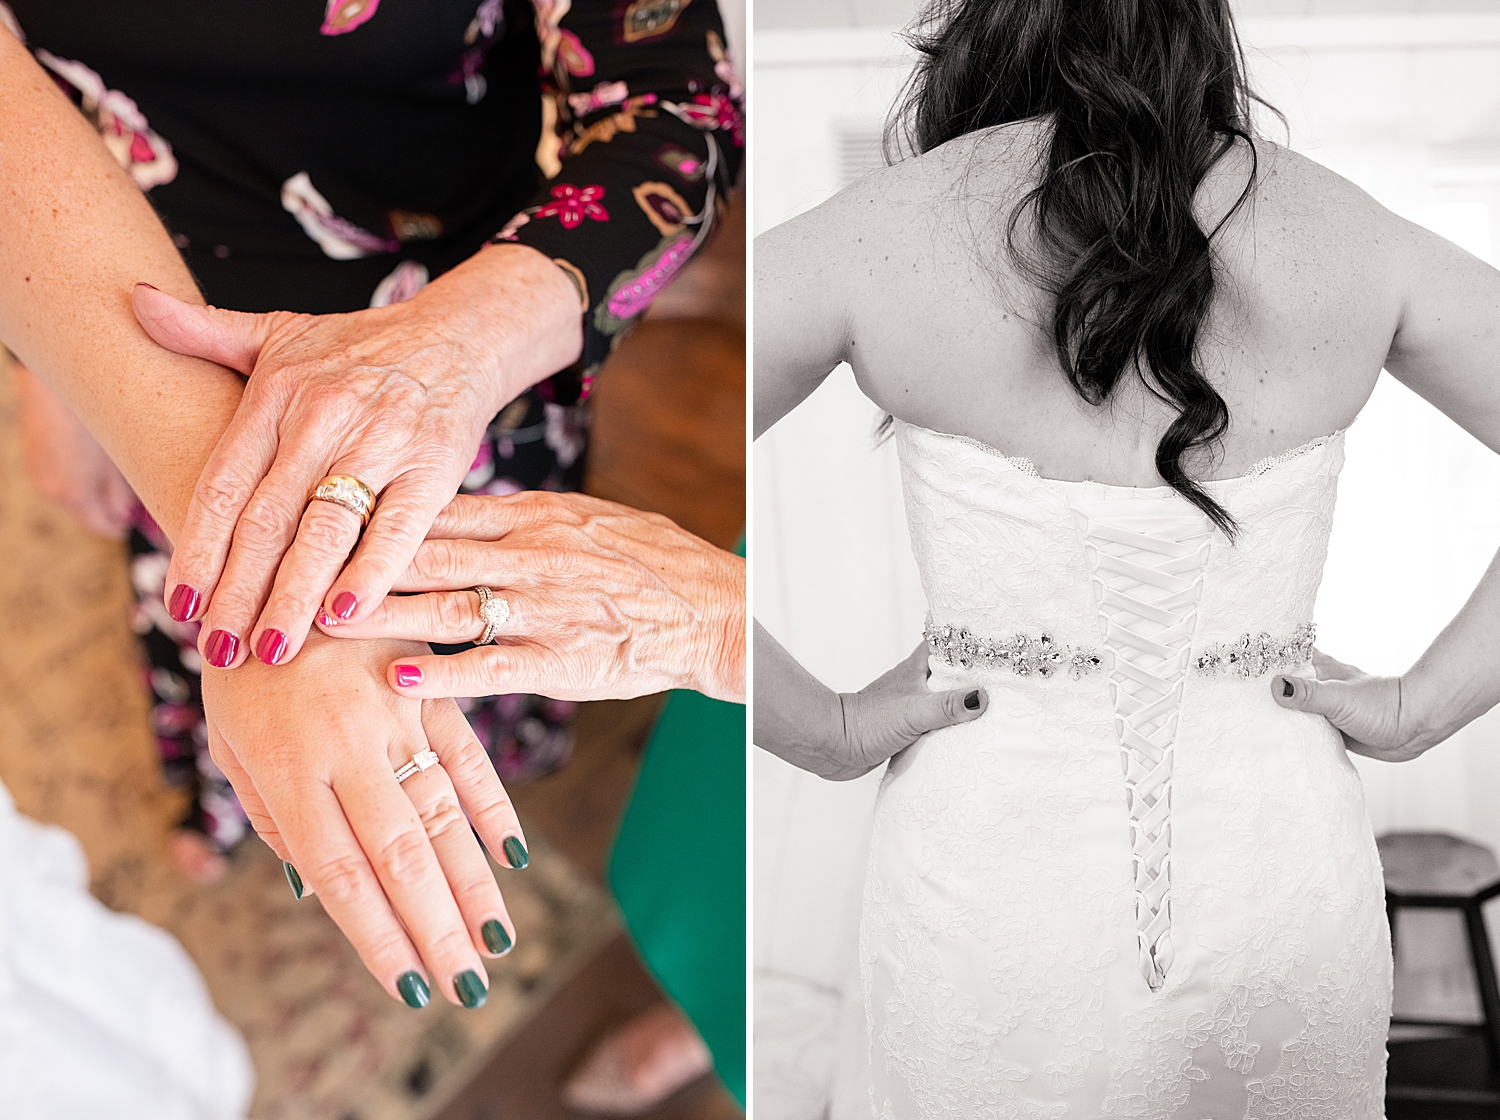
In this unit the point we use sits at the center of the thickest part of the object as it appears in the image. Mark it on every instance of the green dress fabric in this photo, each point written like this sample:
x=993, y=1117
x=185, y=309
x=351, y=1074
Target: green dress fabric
x=678, y=870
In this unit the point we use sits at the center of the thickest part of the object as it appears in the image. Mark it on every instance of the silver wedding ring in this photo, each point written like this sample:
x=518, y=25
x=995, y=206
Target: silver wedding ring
x=422, y=760
x=494, y=611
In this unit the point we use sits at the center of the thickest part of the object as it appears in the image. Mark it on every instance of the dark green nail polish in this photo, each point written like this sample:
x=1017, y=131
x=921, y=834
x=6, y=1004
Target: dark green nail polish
x=496, y=940
x=293, y=879
x=413, y=990
x=471, y=990
x=515, y=852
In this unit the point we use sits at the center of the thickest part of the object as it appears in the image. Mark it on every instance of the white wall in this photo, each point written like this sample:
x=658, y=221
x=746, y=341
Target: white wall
x=1408, y=107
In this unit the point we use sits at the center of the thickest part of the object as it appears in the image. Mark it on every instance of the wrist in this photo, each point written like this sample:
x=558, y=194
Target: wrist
x=514, y=311
x=719, y=667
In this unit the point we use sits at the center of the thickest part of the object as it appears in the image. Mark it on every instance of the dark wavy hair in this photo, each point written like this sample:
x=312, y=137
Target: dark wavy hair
x=1143, y=97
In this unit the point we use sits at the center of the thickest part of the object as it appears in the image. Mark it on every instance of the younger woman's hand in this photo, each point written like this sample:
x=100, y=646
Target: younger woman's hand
x=311, y=749
x=1366, y=710
x=605, y=602
x=844, y=735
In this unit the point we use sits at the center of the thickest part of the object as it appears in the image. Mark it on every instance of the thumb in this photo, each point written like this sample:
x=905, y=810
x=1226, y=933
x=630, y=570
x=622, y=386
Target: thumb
x=937, y=710
x=1339, y=702
x=229, y=338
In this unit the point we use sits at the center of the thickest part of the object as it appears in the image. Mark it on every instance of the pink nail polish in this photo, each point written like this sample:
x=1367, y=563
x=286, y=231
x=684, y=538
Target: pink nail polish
x=408, y=675
x=324, y=620
x=345, y=605
x=184, y=602
x=272, y=646
x=221, y=648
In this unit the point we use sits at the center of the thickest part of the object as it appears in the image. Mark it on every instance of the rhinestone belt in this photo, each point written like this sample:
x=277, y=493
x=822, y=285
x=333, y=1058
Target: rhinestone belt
x=1252, y=655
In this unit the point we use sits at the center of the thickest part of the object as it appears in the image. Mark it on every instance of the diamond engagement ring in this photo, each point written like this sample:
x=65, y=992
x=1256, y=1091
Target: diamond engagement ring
x=349, y=492
x=422, y=760
x=495, y=612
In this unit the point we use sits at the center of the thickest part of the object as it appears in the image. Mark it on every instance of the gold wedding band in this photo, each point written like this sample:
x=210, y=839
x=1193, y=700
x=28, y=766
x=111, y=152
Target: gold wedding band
x=495, y=612
x=349, y=492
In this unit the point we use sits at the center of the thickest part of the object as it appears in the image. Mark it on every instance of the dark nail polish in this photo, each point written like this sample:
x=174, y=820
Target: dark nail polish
x=272, y=647
x=413, y=990
x=221, y=648
x=1286, y=688
x=324, y=620
x=971, y=701
x=496, y=940
x=345, y=605
x=184, y=603
x=293, y=879
x=408, y=675
x=471, y=990
x=143, y=284
x=515, y=852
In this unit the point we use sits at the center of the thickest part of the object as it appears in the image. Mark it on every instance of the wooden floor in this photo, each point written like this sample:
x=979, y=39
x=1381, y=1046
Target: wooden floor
x=76, y=748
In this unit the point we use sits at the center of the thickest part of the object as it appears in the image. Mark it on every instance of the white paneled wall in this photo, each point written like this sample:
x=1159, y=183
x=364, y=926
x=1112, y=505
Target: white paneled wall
x=1408, y=107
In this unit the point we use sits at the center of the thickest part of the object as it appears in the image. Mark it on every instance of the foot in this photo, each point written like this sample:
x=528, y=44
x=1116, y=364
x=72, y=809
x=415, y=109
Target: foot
x=638, y=1065
x=195, y=856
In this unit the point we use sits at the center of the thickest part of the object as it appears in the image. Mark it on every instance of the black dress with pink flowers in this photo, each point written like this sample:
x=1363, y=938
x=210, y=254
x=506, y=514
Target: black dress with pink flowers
x=328, y=155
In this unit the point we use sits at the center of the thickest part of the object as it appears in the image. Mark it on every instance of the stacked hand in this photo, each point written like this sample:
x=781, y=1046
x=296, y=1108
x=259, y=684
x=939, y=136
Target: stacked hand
x=603, y=601
x=312, y=748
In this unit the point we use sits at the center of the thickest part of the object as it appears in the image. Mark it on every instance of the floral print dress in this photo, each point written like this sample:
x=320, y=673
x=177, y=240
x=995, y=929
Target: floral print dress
x=326, y=156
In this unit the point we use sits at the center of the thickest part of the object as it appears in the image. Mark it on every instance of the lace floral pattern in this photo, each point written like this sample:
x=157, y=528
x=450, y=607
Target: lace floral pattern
x=998, y=952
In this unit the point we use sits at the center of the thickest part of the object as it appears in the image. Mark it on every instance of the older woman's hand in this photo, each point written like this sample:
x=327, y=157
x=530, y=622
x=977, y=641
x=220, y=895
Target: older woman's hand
x=312, y=749
x=397, y=397
x=605, y=602
x=1366, y=710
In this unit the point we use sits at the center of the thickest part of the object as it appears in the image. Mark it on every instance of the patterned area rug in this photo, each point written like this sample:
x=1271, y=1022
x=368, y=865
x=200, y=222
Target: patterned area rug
x=76, y=750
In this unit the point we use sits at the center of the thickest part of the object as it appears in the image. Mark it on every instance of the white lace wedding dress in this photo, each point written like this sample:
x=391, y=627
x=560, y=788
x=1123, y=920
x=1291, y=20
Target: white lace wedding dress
x=1136, y=887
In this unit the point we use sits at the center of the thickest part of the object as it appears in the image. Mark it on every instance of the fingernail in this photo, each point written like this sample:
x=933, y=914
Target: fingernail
x=271, y=647
x=345, y=605
x=324, y=620
x=1286, y=688
x=413, y=990
x=184, y=602
x=496, y=940
x=408, y=675
x=221, y=648
x=515, y=852
x=471, y=990
x=143, y=284
x=293, y=879
x=971, y=701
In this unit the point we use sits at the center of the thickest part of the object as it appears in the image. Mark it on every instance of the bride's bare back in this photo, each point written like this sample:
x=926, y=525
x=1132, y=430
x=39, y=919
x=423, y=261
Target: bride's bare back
x=906, y=276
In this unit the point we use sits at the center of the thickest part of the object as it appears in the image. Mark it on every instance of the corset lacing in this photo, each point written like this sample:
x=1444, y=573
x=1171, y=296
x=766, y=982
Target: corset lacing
x=1147, y=557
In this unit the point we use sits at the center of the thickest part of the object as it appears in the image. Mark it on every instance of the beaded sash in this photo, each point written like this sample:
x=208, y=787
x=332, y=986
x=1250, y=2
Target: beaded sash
x=1042, y=655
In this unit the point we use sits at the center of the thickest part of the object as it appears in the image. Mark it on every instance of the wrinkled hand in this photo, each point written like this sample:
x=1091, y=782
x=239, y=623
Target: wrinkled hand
x=1365, y=709
x=66, y=463
x=605, y=602
x=395, y=396
x=311, y=749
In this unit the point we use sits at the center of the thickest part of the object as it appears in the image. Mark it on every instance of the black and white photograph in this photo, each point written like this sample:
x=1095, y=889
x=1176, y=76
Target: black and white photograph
x=1126, y=406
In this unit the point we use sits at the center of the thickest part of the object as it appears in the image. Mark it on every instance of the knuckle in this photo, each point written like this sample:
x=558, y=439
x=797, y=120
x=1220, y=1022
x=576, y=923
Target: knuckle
x=435, y=563
x=453, y=614
x=405, y=857
x=221, y=495
x=441, y=815
x=330, y=531
x=453, y=942
x=263, y=521
x=340, y=880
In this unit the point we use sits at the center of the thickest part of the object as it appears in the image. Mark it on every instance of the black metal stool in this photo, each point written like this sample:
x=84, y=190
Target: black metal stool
x=1436, y=871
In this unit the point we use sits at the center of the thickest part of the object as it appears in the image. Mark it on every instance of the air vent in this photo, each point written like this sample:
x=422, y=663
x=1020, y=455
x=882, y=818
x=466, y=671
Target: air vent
x=859, y=151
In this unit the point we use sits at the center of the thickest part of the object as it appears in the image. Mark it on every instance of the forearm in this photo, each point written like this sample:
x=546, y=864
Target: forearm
x=1458, y=678
x=75, y=237
x=797, y=717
